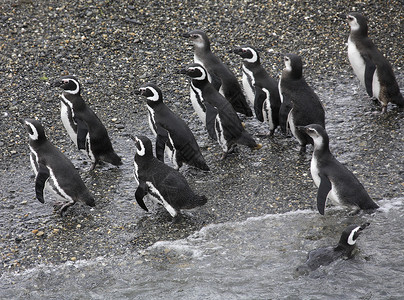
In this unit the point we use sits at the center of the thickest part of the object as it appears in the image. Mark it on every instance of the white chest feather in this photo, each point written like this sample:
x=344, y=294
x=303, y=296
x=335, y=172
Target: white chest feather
x=280, y=90
x=292, y=125
x=152, y=121
x=376, y=85
x=267, y=114
x=136, y=171
x=248, y=85
x=171, y=151
x=66, y=114
x=220, y=134
x=197, y=103
x=314, y=169
x=155, y=195
x=356, y=61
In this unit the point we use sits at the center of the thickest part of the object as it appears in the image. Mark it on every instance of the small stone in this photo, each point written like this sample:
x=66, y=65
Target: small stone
x=73, y=258
x=40, y=233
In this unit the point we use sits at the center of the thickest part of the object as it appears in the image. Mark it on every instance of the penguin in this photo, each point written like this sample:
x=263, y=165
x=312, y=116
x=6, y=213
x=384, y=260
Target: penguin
x=296, y=94
x=222, y=121
x=171, y=131
x=334, y=180
x=82, y=124
x=266, y=102
x=219, y=74
x=373, y=70
x=345, y=249
x=160, y=182
x=54, y=171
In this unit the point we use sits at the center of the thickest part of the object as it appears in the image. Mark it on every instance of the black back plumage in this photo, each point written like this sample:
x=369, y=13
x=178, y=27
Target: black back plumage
x=99, y=147
x=346, y=248
x=230, y=126
x=375, y=62
x=306, y=107
x=333, y=174
x=157, y=179
x=51, y=166
x=260, y=78
x=168, y=123
x=221, y=76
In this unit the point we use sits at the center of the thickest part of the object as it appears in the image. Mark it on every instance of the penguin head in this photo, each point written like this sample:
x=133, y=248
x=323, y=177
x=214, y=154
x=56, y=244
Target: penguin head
x=35, y=130
x=195, y=71
x=293, y=66
x=357, y=23
x=151, y=91
x=350, y=235
x=248, y=53
x=317, y=133
x=144, y=146
x=69, y=84
x=198, y=38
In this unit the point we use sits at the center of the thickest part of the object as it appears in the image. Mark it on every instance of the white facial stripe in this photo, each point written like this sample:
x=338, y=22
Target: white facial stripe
x=266, y=93
x=203, y=76
x=288, y=65
x=34, y=136
x=155, y=96
x=142, y=150
x=351, y=240
x=317, y=138
x=75, y=91
x=353, y=23
x=254, y=58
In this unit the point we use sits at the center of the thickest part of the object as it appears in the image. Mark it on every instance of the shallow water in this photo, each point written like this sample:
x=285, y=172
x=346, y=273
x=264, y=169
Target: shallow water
x=253, y=259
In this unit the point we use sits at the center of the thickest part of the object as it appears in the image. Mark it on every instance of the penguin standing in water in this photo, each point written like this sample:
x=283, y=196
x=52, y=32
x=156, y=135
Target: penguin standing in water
x=222, y=122
x=218, y=73
x=260, y=88
x=306, y=107
x=334, y=180
x=171, y=131
x=370, y=66
x=160, y=182
x=83, y=125
x=54, y=171
x=346, y=249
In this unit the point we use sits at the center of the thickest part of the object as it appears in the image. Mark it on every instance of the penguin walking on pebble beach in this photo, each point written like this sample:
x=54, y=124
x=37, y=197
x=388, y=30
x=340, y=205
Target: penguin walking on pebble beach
x=333, y=179
x=261, y=89
x=219, y=74
x=222, y=122
x=346, y=249
x=160, y=182
x=172, y=133
x=82, y=124
x=53, y=171
x=306, y=107
x=373, y=70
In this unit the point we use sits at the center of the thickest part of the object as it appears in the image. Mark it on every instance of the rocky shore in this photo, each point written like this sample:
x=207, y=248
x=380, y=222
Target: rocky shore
x=114, y=47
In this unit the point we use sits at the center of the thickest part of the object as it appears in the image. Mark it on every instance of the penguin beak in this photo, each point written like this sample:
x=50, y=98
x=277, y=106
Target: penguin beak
x=138, y=92
x=363, y=226
x=57, y=83
x=343, y=16
x=182, y=71
x=302, y=128
x=236, y=51
x=22, y=121
x=186, y=35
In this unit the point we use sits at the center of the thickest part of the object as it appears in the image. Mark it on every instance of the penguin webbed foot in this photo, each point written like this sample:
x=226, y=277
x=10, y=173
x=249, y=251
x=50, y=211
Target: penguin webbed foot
x=232, y=149
x=355, y=211
x=61, y=207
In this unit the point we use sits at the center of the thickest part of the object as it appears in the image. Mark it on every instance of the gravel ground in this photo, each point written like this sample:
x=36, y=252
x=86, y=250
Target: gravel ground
x=114, y=47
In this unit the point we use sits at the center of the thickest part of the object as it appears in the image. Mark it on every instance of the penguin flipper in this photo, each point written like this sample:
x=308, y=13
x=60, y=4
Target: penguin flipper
x=258, y=103
x=161, y=140
x=323, y=190
x=40, y=180
x=211, y=113
x=141, y=191
x=82, y=132
x=370, y=69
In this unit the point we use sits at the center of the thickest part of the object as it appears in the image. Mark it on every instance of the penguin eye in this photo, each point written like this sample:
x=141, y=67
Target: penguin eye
x=194, y=36
x=350, y=18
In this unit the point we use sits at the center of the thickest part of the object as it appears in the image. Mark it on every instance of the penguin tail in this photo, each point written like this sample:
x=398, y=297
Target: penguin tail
x=200, y=200
x=239, y=103
x=112, y=158
x=398, y=100
x=247, y=140
x=88, y=199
